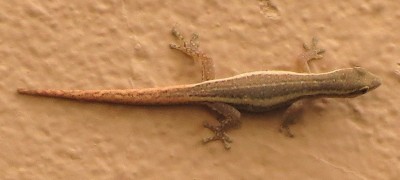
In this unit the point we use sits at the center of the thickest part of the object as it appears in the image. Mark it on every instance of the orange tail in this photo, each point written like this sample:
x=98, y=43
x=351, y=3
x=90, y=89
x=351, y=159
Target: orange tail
x=150, y=96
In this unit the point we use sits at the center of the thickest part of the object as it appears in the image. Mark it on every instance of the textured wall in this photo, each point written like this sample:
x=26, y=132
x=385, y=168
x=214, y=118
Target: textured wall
x=124, y=43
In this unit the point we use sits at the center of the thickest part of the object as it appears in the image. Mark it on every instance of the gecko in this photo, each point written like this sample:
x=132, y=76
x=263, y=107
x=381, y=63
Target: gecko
x=257, y=91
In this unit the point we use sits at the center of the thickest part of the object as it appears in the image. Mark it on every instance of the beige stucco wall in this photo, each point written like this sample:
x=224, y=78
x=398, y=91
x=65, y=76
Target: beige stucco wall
x=124, y=44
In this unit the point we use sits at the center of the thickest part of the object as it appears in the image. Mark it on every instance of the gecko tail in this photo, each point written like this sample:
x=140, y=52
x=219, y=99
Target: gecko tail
x=149, y=96
x=47, y=92
x=28, y=91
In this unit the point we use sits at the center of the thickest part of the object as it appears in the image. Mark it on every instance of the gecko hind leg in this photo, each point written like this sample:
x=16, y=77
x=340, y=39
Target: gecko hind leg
x=312, y=52
x=191, y=48
x=231, y=119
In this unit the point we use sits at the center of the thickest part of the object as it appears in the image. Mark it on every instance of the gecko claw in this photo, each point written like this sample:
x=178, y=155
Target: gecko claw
x=220, y=135
x=286, y=130
x=174, y=46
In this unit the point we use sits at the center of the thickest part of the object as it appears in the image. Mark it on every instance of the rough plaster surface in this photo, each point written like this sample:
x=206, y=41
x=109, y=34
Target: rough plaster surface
x=124, y=43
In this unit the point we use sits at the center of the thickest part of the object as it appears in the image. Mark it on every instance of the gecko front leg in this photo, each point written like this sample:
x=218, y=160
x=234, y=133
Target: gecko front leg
x=230, y=114
x=312, y=52
x=397, y=71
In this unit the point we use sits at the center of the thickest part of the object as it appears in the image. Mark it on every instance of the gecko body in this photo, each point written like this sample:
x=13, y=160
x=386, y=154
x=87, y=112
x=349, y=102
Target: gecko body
x=254, y=91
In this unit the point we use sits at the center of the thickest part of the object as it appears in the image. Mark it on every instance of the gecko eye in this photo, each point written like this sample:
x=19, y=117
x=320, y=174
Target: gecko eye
x=364, y=90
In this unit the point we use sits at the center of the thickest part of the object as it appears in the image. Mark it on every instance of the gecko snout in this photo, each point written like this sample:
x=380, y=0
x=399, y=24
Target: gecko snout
x=372, y=81
x=375, y=83
x=368, y=80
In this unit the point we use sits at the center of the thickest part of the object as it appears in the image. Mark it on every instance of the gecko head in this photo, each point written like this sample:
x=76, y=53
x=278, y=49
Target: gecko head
x=361, y=81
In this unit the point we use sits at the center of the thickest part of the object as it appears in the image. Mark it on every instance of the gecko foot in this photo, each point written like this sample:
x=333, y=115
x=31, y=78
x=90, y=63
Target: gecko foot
x=286, y=130
x=188, y=47
x=220, y=135
x=312, y=52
